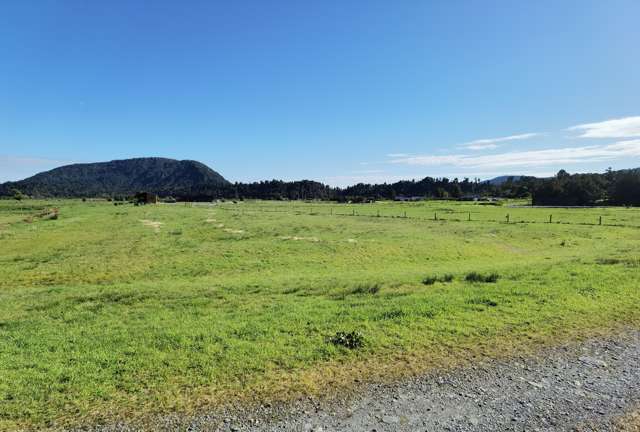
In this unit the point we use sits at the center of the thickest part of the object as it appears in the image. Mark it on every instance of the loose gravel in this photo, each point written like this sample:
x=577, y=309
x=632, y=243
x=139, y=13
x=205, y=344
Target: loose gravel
x=588, y=386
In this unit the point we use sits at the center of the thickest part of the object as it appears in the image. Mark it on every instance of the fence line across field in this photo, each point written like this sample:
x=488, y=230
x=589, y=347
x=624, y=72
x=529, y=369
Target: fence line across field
x=599, y=220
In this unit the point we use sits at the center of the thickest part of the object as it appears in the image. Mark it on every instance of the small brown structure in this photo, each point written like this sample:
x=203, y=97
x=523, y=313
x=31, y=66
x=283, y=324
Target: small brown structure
x=145, y=198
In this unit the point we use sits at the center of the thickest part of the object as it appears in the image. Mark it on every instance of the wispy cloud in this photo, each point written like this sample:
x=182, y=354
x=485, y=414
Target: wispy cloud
x=480, y=146
x=372, y=171
x=626, y=127
x=397, y=155
x=548, y=157
x=17, y=167
x=492, y=143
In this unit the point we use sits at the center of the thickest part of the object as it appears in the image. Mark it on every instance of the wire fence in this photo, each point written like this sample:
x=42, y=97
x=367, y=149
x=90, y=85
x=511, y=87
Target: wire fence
x=604, y=220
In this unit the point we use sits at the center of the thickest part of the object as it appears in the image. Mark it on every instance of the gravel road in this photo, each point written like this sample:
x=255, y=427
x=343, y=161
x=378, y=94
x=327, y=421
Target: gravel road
x=584, y=387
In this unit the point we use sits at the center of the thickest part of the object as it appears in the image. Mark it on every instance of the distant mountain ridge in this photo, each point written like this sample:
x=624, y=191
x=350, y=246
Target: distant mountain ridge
x=504, y=178
x=162, y=176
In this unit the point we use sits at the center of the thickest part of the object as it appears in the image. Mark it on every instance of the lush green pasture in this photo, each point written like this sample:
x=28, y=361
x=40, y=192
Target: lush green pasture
x=115, y=311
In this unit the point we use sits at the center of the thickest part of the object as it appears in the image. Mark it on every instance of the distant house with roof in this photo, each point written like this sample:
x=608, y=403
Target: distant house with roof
x=145, y=198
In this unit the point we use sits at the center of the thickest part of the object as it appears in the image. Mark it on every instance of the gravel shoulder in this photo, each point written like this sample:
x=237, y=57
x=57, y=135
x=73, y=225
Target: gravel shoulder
x=590, y=386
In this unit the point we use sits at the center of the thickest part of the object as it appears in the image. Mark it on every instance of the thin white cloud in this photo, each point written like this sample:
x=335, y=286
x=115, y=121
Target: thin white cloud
x=491, y=143
x=488, y=146
x=14, y=168
x=397, y=155
x=549, y=157
x=373, y=171
x=626, y=127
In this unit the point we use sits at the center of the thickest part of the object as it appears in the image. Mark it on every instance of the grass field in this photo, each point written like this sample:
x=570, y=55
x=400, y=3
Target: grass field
x=122, y=311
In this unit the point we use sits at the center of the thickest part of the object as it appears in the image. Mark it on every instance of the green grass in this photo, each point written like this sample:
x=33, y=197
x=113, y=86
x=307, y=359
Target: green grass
x=104, y=313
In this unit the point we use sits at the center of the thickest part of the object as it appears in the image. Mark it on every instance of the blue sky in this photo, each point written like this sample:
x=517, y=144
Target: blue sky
x=336, y=91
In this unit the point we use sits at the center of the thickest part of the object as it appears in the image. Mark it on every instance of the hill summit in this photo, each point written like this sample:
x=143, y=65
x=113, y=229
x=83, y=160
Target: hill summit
x=165, y=177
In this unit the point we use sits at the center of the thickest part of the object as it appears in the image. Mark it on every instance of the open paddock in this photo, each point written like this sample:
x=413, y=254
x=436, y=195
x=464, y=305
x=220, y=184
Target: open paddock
x=112, y=311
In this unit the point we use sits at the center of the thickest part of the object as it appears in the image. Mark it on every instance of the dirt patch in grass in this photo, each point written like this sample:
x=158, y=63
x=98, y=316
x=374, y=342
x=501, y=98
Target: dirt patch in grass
x=152, y=224
x=233, y=231
x=46, y=214
x=295, y=238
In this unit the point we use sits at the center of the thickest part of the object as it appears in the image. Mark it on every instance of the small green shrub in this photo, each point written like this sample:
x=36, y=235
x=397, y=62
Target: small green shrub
x=608, y=261
x=430, y=280
x=484, y=278
x=366, y=289
x=483, y=301
x=351, y=340
x=447, y=278
x=632, y=262
x=391, y=314
x=428, y=313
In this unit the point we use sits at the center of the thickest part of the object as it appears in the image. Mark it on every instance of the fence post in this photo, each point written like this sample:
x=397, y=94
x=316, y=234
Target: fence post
x=405, y=214
x=469, y=216
x=331, y=211
x=550, y=218
x=600, y=221
x=353, y=212
x=378, y=213
x=507, y=218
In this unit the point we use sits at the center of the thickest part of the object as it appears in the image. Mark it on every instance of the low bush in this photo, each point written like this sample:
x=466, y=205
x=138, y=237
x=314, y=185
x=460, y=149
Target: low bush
x=484, y=278
x=430, y=280
x=608, y=261
x=351, y=340
x=483, y=301
x=391, y=315
x=366, y=289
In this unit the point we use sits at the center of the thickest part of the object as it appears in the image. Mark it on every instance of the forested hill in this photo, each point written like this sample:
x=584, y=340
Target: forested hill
x=122, y=178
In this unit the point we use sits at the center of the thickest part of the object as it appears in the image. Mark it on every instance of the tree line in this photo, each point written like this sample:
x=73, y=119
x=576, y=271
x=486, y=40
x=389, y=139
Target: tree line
x=564, y=189
x=428, y=187
x=611, y=188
